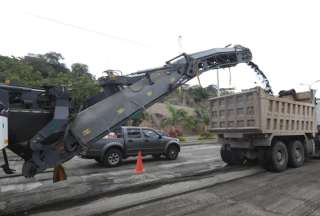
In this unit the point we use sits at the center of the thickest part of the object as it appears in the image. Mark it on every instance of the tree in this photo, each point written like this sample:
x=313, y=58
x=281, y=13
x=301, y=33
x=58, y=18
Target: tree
x=137, y=118
x=202, y=116
x=16, y=71
x=191, y=123
x=80, y=87
x=36, y=70
x=39, y=65
x=81, y=69
x=199, y=94
x=212, y=90
x=176, y=116
x=47, y=64
x=52, y=58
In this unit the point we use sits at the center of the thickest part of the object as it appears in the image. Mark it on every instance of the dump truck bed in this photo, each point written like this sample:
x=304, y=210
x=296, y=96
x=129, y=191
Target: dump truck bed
x=254, y=111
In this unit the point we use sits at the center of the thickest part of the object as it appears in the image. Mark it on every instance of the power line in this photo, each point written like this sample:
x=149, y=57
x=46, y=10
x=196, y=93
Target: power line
x=88, y=30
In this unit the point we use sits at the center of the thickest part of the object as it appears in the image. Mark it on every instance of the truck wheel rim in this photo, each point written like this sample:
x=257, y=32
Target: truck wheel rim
x=280, y=157
x=113, y=158
x=172, y=153
x=298, y=154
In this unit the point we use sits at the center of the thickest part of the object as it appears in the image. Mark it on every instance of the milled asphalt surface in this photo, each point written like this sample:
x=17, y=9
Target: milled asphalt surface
x=88, y=179
x=116, y=202
x=198, y=183
x=295, y=192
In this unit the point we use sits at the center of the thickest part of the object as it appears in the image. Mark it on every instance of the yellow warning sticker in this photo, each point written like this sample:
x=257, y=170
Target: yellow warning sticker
x=86, y=132
x=149, y=93
x=120, y=110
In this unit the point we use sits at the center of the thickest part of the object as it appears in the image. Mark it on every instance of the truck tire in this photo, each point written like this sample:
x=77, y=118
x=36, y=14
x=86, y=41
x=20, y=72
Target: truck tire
x=231, y=156
x=172, y=152
x=276, y=157
x=296, y=154
x=112, y=158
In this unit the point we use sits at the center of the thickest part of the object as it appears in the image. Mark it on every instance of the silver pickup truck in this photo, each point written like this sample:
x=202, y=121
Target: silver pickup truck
x=111, y=151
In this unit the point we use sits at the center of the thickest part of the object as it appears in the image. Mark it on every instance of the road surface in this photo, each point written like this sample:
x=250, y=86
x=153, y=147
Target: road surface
x=247, y=190
x=88, y=179
x=293, y=192
x=189, y=158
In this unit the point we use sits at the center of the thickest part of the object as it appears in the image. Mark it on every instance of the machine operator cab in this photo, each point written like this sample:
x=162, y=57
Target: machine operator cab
x=4, y=142
x=318, y=113
x=3, y=131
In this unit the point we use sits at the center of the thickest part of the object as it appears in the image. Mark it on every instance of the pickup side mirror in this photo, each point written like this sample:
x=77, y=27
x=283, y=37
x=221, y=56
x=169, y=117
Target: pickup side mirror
x=160, y=136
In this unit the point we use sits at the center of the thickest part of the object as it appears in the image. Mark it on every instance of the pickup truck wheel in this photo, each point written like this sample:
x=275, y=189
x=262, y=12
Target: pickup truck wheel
x=112, y=158
x=276, y=157
x=172, y=152
x=231, y=156
x=296, y=154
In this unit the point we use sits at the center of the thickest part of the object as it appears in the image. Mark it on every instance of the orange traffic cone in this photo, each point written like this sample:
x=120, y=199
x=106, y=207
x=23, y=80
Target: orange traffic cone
x=59, y=174
x=139, y=164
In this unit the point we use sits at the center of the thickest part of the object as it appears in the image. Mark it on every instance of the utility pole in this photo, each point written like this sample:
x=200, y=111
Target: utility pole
x=180, y=44
x=310, y=86
x=218, y=83
x=181, y=90
x=229, y=77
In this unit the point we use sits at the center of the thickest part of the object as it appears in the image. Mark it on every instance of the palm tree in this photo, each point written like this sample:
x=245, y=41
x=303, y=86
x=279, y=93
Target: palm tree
x=191, y=122
x=202, y=117
x=177, y=116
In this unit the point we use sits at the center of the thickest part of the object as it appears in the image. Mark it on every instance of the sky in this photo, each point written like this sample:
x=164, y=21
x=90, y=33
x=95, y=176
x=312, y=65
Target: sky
x=128, y=35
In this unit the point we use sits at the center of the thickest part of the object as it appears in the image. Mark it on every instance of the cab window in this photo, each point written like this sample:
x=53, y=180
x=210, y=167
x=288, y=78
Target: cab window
x=150, y=134
x=134, y=133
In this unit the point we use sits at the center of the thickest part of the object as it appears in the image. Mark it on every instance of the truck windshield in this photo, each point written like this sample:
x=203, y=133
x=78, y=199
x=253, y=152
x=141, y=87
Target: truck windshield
x=150, y=134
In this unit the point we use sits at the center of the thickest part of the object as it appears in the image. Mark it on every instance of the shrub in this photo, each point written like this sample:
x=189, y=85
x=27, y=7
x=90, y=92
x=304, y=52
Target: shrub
x=206, y=135
x=181, y=138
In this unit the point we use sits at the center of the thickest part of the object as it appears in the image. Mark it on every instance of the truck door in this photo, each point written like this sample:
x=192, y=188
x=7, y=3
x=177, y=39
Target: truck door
x=152, y=142
x=134, y=141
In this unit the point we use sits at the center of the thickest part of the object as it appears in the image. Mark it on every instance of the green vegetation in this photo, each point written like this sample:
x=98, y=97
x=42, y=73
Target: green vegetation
x=181, y=138
x=177, y=116
x=194, y=97
x=137, y=118
x=206, y=135
x=37, y=70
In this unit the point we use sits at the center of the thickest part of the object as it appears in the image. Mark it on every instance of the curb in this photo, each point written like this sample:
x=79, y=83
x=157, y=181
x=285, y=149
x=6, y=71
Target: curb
x=200, y=142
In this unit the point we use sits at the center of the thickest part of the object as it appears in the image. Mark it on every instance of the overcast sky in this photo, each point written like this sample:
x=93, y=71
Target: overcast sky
x=134, y=35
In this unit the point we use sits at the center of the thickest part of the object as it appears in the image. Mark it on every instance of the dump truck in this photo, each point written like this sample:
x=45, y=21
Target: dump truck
x=278, y=131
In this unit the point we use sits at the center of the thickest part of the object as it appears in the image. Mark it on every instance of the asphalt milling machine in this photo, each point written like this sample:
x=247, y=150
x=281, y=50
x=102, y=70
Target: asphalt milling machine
x=38, y=124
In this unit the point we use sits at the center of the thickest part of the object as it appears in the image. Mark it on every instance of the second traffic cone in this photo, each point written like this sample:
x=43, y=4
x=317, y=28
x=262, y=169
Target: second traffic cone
x=139, y=164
